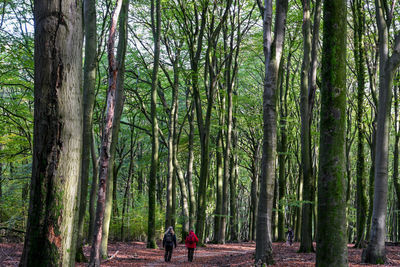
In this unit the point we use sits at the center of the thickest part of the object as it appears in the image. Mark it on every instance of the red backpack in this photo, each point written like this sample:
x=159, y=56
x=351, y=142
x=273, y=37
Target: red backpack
x=190, y=238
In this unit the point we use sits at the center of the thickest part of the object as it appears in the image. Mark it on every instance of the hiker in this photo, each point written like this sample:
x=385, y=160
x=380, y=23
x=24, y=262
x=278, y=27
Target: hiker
x=168, y=243
x=290, y=236
x=190, y=242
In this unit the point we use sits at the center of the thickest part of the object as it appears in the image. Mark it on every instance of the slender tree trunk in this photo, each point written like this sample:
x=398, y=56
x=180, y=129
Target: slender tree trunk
x=306, y=161
x=254, y=189
x=234, y=225
x=119, y=104
x=375, y=252
x=272, y=54
x=156, y=25
x=396, y=158
x=92, y=201
x=106, y=141
x=219, y=185
x=332, y=238
x=52, y=219
x=125, y=204
x=189, y=171
x=361, y=200
x=89, y=84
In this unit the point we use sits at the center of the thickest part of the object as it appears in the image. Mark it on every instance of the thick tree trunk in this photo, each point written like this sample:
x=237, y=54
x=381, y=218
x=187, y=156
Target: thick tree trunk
x=89, y=84
x=106, y=141
x=396, y=158
x=332, y=238
x=272, y=54
x=156, y=25
x=119, y=104
x=375, y=252
x=56, y=167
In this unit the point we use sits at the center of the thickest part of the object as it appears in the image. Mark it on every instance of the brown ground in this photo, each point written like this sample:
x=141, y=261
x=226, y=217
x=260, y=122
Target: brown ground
x=241, y=254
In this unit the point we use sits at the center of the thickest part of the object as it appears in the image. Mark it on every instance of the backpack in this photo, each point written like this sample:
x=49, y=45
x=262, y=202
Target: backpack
x=169, y=238
x=190, y=239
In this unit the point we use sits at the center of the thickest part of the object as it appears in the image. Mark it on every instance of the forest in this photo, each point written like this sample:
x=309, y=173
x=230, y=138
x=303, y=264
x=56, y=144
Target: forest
x=243, y=120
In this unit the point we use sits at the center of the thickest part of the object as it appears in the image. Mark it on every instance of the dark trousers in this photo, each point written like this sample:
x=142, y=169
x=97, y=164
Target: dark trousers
x=190, y=254
x=168, y=253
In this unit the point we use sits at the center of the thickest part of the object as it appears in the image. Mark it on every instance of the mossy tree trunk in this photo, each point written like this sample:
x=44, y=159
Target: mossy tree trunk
x=361, y=200
x=332, y=230
x=49, y=239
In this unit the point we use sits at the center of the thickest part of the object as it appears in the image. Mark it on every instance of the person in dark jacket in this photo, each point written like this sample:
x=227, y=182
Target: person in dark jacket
x=190, y=242
x=290, y=236
x=169, y=241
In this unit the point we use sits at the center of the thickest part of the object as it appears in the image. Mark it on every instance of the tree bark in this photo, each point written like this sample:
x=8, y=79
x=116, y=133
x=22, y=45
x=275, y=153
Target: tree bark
x=119, y=105
x=272, y=54
x=306, y=245
x=361, y=200
x=92, y=202
x=156, y=25
x=89, y=84
x=332, y=238
x=375, y=252
x=49, y=239
x=106, y=140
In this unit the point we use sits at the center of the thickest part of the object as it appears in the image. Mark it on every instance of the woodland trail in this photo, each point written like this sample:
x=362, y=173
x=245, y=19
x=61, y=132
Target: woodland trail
x=136, y=254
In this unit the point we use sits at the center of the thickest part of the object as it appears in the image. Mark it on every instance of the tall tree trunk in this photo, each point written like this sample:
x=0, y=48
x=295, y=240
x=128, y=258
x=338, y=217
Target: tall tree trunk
x=332, y=238
x=89, y=84
x=375, y=252
x=361, y=200
x=396, y=157
x=106, y=141
x=233, y=222
x=254, y=188
x=156, y=26
x=272, y=53
x=52, y=219
x=119, y=104
x=189, y=171
x=92, y=201
x=125, y=204
x=219, y=185
x=306, y=161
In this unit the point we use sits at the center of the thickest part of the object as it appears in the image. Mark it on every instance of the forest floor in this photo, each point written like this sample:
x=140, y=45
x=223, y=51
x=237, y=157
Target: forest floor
x=233, y=254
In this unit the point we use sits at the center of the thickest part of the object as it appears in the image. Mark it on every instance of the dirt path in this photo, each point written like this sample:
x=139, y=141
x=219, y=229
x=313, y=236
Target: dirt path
x=134, y=254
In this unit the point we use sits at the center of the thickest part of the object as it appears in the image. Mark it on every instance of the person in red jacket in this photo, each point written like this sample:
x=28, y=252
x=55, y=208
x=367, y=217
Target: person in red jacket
x=190, y=242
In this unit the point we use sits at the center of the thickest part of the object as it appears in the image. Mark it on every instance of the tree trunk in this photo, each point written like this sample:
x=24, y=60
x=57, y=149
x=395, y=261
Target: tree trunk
x=106, y=141
x=254, y=189
x=219, y=185
x=396, y=157
x=125, y=204
x=52, y=219
x=156, y=25
x=332, y=238
x=375, y=252
x=92, y=202
x=306, y=245
x=189, y=172
x=119, y=104
x=272, y=54
x=89, y=84
x=361, y=200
